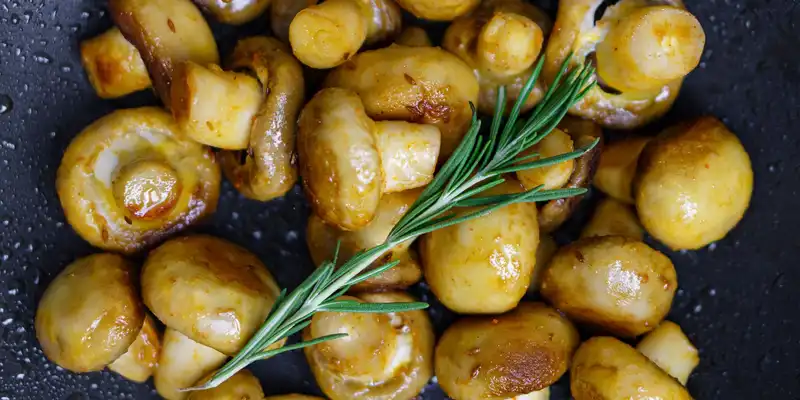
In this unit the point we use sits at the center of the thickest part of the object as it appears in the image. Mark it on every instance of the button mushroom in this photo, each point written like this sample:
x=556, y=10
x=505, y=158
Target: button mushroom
x=328, y=34
x=612, y=217
x=347, y=160
x=669, y=348
x=166, y=32
x=416, y=84
x=501, y=41
x=613, y=283
x=212, y=295
x=693, y=184
x=387, y=356
x=90, y=314
x=617, y=167
x=514, y=355
x=642, y=53
x=605, y=368
x=130, y=179
x=483, y=266
x=323, y=239
x=583, y=133
x=113, y=65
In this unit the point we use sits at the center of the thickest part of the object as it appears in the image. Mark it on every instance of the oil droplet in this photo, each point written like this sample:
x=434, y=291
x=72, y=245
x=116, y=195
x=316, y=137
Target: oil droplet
x=6, y=105
x=42, y=58
x=65, y=68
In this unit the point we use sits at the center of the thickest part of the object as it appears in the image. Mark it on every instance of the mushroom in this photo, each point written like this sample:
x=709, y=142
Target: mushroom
x=212, y=295
x=141, y=359
x=617, y=167
x=605, y=368
x=617, y=284
x=131, y=179
x=483, y=266
x=416, y=84
x=249, y=110
x=501, y=41
x=512, y=355
x=113, y=65
x=384, y=356
x=555, y=212
x=323, y=240
x=166, y=32
x=613, y=218
x=328, y=34
x=347, y=160
x=90, y=314
x=669, y=348
x=693, y=184
x=642, y=53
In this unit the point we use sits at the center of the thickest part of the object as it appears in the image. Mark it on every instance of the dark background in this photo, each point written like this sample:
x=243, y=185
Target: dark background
x=738, y=299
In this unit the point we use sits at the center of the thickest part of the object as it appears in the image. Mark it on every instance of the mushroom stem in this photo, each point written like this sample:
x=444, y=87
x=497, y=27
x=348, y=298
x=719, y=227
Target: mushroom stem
x=649, y=48
x=215, y=107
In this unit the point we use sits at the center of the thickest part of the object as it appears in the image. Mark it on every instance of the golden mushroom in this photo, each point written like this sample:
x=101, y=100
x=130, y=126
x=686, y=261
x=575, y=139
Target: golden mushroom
x=439, y=10
x=114, y=66
x=234, y=12
x=212, y=295
x=617, y=284
x=293, y=397
x=499, y=357
x=605, y=368
x=483, y=266
x=612, y=217
x=642, y=53
x=249, y=110
x=693, y=184
x=583, y=133
x=183, y=362
x=328, y=34
x=241, y=386
x=556, y=176
x=323, y=239
x=501, y=41
x=424, y=85
x=384, y=356
x=669, y=348
x=617, y=167
x=212, y=290
x=131, y=179
x=141, y=359
x=347, y=160
x=90, y=314
x=166, y=33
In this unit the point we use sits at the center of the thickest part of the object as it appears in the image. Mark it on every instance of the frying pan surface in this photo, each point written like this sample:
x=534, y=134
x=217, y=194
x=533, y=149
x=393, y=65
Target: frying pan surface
x=738, y=299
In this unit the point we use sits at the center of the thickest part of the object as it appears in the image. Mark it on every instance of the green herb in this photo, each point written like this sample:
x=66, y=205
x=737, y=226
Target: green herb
x=478, y=164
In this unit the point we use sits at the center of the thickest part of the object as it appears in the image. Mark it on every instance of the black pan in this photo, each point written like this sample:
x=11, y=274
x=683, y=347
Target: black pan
x=738, y=299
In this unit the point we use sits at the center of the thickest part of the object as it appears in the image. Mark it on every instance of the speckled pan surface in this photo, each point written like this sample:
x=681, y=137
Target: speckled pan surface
x=738, y=299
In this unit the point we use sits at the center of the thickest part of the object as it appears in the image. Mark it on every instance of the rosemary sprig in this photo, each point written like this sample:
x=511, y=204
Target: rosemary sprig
x=477, y=165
